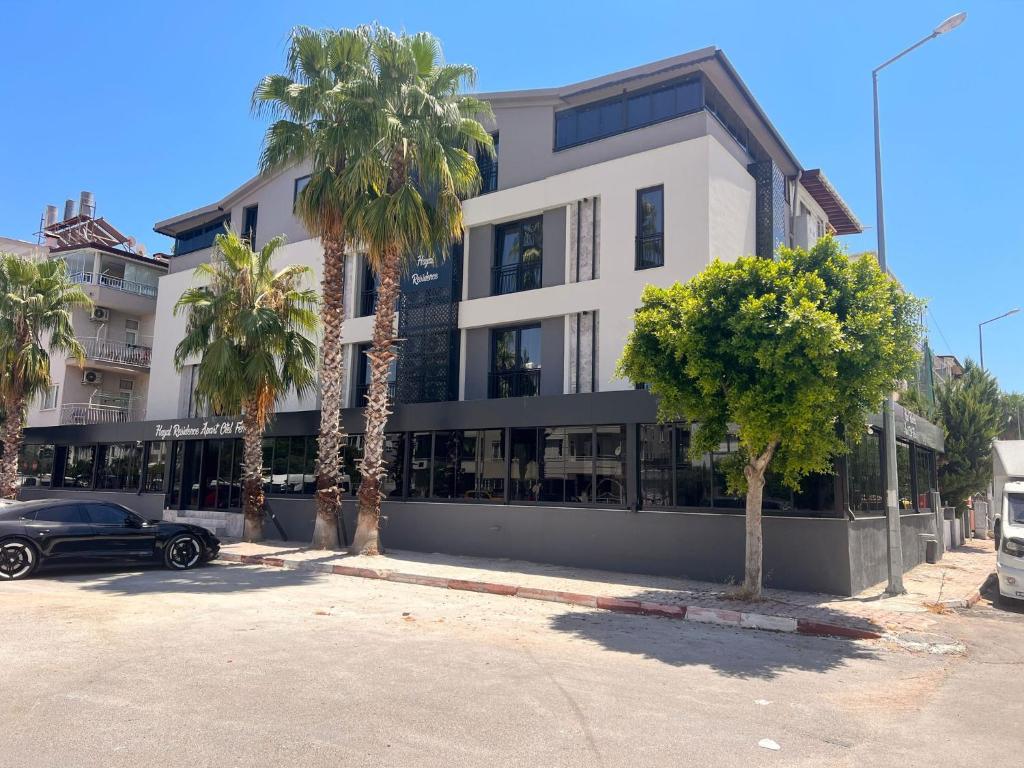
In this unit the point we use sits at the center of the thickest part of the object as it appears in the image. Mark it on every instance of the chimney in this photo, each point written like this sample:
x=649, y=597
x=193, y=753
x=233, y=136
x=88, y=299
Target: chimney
x=69, y=209
x=87, y=205
x=50, y=217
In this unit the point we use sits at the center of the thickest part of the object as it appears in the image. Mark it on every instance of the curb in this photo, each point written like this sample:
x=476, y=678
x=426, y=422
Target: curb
x=971, y=600
x=719, y=616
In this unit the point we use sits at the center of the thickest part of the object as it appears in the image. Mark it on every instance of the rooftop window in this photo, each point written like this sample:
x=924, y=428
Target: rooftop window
x=200, y=237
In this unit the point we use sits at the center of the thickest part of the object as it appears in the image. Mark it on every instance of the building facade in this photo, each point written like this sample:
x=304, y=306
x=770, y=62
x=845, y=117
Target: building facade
x=511, y=435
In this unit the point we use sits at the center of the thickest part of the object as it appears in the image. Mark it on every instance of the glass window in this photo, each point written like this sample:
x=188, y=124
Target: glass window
x=156, y=466
x=300, y=184
x=422, y=450
x=720, y=463
x=447, y=446
x=864, y=464
x=650, y=227
x=518, y=256
x=351, y=457
x=250, y=217
x=35, y=466
x=693, y=481
x=481, y=472
x=515, y=362
x=817, y=493
x=118, y=466
x=288, y=465
x=177, y=463
x=393, y=458
x=567, y=466
x=904, y=481
x=66, y=513
x=925, y=461
x=105, y=514
x=78, y=466
x=525, y=465
x=609, y=465
x=200, y=237
x=656, y=465
x=49, y=398
x=1015, y=507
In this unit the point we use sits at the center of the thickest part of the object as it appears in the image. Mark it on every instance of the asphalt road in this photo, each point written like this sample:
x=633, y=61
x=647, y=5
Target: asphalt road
x=232, y=666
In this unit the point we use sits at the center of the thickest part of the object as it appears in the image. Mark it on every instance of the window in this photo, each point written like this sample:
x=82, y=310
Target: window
x=392, y=484
x=106, y=514
x=515, y=362
x=289, y=465
x=488, y=168
x=904, y=481
x=300, y=184
x=205, y=474
x=250, y=216
x=864, y=469
x=518, y=256
x=66, y=513
x=368, y=291
x=1015, y=507
x=925, y=462
x=118, y=466
x=156, y=464
x=131, y=331
x=650, y=227
x=35, y=466
x=363, y=377
x=50, y=398
x=200, y=237
x=78, y=466
x=627, y=112
x=568, y=465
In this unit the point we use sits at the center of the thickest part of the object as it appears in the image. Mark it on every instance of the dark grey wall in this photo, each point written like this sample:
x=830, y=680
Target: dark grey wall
x=481, y=259
x=477, y=362
x=553, y=269
x=552, y=354
x=869, y=549
x=149, y=505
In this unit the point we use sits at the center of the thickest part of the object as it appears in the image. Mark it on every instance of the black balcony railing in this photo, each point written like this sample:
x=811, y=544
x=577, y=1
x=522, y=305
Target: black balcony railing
x=525, y=383
x=363, y=389
x=513, y=278
x=488, y=175
x=650, y=251
x=368, y=303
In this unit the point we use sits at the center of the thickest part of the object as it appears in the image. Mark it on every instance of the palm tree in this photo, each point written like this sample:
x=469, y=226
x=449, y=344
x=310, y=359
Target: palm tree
x=310, y=126
x=250, y=328
x=36, y=301
x=410, y=131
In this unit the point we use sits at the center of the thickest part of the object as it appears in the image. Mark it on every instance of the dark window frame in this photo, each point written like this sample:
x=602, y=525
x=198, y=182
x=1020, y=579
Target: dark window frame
x=649, y=244
x=297, y=189
x=200, y=237
x=517, y=374
x=516, y=273
x=250, y=223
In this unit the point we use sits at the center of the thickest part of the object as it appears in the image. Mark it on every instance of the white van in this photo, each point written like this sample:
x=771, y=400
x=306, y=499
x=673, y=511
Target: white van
x=1009, y=531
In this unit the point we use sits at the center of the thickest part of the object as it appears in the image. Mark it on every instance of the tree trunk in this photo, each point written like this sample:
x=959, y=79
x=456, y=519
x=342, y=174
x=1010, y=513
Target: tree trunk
x=378, y=408
x=252, y=479
x=12, y=434
x=329, y=443
x=754, y=473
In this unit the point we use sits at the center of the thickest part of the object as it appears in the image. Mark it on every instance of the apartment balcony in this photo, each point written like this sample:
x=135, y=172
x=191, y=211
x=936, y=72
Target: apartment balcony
x=363, y=389
x=512, y=278
x=114, y=283
x=518, y=383
x=117, y=354
x=102, y=410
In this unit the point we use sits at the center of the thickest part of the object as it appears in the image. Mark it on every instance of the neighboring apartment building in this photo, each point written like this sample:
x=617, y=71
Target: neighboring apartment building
x=116, y=333
x=947, y=368
x=511, y=434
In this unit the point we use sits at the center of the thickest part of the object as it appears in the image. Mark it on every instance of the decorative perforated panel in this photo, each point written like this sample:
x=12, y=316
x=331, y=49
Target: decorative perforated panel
x=771, y=207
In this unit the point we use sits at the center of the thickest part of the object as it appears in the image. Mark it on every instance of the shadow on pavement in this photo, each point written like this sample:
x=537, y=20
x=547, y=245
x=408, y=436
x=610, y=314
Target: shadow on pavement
x=740, y=653
x=990, y=593
x=152, y=579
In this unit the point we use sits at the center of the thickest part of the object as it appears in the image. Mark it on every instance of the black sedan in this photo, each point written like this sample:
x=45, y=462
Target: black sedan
x=34, y=533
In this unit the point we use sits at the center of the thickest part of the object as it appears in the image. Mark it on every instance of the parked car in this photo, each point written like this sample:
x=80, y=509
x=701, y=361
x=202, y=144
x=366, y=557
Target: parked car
x=1009, y=533
x=37, y=533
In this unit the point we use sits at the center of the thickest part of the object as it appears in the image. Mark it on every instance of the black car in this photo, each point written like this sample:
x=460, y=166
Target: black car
x=34, y=533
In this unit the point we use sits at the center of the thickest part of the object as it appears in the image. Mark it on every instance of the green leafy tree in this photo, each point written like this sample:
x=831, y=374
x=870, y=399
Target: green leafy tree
x=310, y=125
x=36, y=302
x=249, y=325
x=792, y=352
x=971, y=411
x=411, y=131
x=1012, y=404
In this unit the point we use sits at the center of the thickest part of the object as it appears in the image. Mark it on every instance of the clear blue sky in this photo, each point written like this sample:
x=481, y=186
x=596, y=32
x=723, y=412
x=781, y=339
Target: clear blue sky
x=147, y=105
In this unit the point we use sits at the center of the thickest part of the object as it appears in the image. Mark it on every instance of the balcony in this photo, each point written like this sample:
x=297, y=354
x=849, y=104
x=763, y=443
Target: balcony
x=115, y=283
x=512, y=278
x=102, y=410
x=117, y=352
x=650, y=251
x=363, y=389
x=522, y=383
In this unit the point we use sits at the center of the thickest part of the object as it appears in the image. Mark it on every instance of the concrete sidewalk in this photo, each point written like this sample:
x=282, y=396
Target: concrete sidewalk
x=952, y=582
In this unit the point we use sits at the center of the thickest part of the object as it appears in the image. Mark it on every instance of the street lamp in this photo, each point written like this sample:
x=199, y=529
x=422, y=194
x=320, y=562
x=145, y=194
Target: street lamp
x=892, y=510
x=981, y=342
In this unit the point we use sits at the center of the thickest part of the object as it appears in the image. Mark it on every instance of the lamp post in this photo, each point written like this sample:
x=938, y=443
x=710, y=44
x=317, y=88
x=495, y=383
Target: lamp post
x=892, y=510
x=981, y=340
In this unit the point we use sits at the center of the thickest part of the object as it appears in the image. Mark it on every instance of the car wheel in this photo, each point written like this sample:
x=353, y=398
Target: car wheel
x=183, y=552
x=17, y=560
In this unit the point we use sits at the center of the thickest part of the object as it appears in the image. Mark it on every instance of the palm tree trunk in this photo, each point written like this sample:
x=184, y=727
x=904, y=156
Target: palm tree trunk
x=378, y=408
x=753, y=570
x=328, y=477
x=13, y=429
x=252, y=479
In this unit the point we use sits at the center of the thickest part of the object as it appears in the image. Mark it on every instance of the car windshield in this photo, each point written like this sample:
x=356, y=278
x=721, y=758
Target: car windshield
x=1015, y=502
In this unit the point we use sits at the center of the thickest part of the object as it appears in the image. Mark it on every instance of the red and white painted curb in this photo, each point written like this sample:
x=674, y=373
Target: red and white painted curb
x=719, y=616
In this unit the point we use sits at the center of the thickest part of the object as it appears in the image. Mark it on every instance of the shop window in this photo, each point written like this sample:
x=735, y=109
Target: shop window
x=904, y=480
x=35, y=466
x=351, y=456
x=864, y=468
x=524, y=458
x=289, y=465
x=925, y=461
x=693, y=481
x=156, y=466
x=481, y=469
x=610, y=465
x=118, y=466
x=78, y=466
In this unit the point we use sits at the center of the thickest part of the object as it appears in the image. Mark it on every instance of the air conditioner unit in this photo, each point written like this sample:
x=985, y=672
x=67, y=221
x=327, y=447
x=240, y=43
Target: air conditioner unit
x=100, y=314
x=92, y=377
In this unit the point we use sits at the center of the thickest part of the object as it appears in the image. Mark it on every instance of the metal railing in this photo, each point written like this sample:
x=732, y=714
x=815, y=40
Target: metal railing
x=524, y=383
x=488, y=175
x=118, y=352
x=650, y=251
x=96, y=413
x=513, y=278
x=363, y=389
x=368, y=302
x=117, y=283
